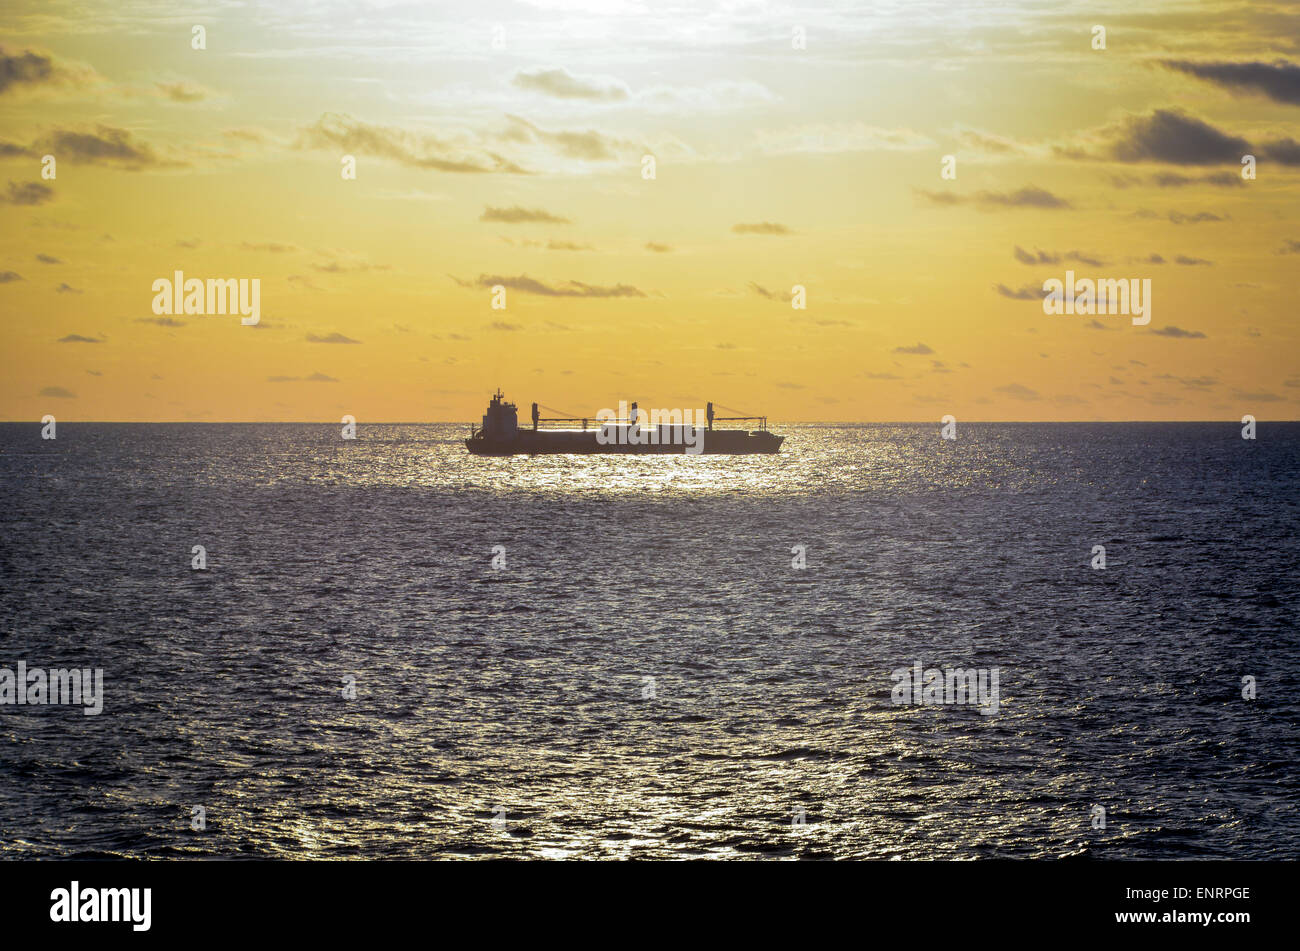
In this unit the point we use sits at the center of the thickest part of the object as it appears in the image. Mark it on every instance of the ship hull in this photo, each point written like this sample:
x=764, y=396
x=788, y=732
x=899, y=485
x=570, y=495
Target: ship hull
x=549, y=442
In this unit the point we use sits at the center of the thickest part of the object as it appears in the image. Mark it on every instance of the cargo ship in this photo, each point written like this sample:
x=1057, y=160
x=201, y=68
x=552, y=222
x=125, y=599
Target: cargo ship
x=634, y=432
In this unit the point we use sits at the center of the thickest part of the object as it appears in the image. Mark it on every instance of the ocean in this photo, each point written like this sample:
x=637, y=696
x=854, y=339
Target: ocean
x=400, y=650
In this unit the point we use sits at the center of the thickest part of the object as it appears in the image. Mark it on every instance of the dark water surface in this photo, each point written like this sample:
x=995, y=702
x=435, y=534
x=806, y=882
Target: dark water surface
x=523, y=692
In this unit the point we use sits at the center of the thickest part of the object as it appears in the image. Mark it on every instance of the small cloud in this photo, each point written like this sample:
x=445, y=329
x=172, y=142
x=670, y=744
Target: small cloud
x=1019, y=392
x=346, y=135
x=560, y=84
x=658, y=248
x=335, y=337
x=919, y=350
x=1031, y=196
x=1035, y=257
x=1026, y=292
x=65, y=288
x=182, y=91
x=27, y=193
x=517, y=215
x=1259, y=396
x=763, y=292
x=58, y=393
x=8, y=277
x=761, y=227
x=270, y=247
x=47, y=259
x=1192, y=262
x=78, y=338
x=161, y=321
x=1172, y=331
x=503, y=326
x=528, y=285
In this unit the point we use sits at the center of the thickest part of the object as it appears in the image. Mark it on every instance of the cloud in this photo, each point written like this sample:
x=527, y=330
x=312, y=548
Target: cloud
x=560, y=84
x=338, y=132
x=977, y=141
x=658, y=248
x=349, y=266
x=78, y=338
x=1282, y=151
x=104, y=146
x=1018, y=392
x=587, y=146
x=762, y=291
x=1039, y=256
x=1028, y=197
x=27, y=193
x=1192, y=262
x=66, y=288
x=840, y=137
x=1217, y=179
x=48, y=259
x=1173, y=137
x=1194, y=382
x=270, y=247
x=314, y=378
x=1291, y=246
x=920, y=350
x=883, y=376
x=335, y=337
x=516, y=215
x=502, y=325
x=1172, y=331
x=161, y=321
x=1031, y=196
x=528, y=285
x=8, y=277
x=58, y=393
x=1279, y=80
x=182, y=91
x=1179, y=217
x=761, y=227
x=1027, y=292
x=32, y=69
x=1259, y=396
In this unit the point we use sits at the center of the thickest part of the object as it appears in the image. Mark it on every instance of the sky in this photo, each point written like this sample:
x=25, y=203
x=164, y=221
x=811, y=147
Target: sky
x=649, y=189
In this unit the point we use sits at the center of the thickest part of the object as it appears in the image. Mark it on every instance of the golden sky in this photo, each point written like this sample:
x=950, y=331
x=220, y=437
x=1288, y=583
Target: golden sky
x=503, y=144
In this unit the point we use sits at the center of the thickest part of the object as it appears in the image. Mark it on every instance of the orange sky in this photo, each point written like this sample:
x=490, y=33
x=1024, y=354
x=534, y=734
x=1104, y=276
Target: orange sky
x=503, y=144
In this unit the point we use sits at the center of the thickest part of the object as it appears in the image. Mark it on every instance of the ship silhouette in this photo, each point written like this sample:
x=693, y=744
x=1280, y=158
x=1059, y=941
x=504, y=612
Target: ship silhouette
x=501, y=435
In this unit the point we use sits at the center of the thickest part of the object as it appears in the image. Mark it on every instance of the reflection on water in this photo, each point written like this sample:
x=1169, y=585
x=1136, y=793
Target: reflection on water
x=510, y=712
